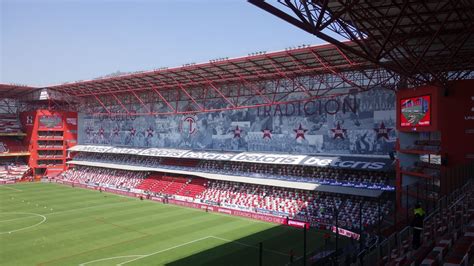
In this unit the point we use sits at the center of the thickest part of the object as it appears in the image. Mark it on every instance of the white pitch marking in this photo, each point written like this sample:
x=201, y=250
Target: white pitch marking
x=24, y=228
x=164, y=250
x=15, y=219
x=138, y=257
x=111, y=258
x=80, y=209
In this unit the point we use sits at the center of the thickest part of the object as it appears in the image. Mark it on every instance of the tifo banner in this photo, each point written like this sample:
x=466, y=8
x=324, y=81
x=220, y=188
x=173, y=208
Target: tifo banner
x=360, y=123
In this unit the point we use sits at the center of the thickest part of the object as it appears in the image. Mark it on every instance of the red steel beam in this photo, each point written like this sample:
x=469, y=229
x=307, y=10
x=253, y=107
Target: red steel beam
x=190, y=97
x=101, y=103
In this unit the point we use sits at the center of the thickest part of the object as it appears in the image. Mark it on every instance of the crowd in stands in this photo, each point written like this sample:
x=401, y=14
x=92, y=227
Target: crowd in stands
x=105, y=177
x=118, y=159
x=10, y=170
x=311, y=206
x=9, y=123
x=296, y=173
x=158, y=184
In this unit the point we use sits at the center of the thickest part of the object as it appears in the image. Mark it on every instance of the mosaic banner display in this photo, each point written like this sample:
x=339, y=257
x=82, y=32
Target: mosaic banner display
x=362, y=123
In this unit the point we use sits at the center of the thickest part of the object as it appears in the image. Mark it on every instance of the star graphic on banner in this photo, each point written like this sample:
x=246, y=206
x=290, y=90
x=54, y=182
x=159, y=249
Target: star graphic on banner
x=300, y=132
x=267, y=133
x=339, y=132
x=101, y=131
x=237, y=132
x=382, y=131
x=133, y=131
x=149, y=132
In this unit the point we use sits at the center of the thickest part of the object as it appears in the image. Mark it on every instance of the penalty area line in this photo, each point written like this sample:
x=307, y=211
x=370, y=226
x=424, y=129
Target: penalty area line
x=164, y=250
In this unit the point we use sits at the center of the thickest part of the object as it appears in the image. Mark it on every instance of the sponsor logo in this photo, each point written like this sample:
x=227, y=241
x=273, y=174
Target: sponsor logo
x=336, y=162
x=346, y=233
x=320, y=161
x=224, y=211
x=163, y=152
x=124, y=151
x=93, y=148
x=208, y=155
x=188, y=125
x=268, y=158
x=297, y=224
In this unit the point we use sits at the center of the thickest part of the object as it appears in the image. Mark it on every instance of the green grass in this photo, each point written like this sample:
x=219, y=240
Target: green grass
x=52, y=224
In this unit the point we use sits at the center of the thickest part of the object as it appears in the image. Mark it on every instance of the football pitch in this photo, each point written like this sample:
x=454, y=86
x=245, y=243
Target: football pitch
x=52, y=224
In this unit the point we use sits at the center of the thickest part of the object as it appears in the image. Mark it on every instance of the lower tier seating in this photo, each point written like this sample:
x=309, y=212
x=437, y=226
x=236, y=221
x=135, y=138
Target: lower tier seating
x=105, y=177
x=13, y=170
x=317, y=207
x=168, y=185
x=312, y=206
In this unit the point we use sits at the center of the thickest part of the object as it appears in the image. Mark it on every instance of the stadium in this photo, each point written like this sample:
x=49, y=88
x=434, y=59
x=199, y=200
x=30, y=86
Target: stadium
x=355, y=152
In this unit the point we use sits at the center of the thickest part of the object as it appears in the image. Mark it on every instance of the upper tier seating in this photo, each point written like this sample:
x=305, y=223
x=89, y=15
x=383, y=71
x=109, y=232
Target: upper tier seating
x=118, y=159
x=295, y=173
x=180, y=162
x=9, y=123
x=322, y=173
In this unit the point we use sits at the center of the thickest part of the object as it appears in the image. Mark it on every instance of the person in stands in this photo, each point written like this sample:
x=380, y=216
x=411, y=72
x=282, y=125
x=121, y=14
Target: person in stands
x=417, y=224
x=327, y=236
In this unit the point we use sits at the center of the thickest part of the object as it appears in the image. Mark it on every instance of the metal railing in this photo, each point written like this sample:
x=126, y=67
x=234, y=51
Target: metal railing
x=373, y=256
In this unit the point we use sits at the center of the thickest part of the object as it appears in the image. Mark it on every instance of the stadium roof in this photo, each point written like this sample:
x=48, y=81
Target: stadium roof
x=14, y=91
x=424, y=40
x=281, y=64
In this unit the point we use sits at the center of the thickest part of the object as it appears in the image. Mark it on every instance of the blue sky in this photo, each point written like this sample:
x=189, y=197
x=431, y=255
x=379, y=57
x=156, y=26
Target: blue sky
x=50, y=42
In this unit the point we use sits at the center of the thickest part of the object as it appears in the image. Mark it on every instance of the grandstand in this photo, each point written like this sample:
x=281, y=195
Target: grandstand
x=327, y=140
x=13, y=150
